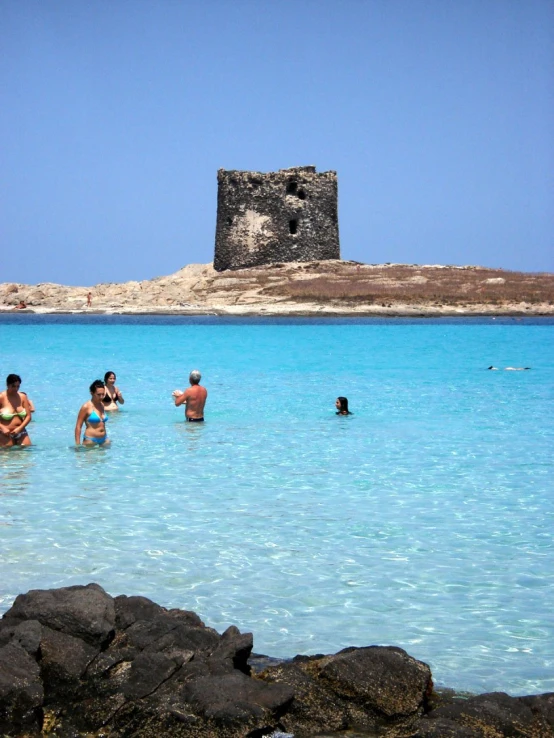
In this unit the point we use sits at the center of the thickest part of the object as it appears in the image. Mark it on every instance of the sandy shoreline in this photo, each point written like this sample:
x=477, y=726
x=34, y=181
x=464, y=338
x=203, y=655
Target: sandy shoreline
x=396, y=311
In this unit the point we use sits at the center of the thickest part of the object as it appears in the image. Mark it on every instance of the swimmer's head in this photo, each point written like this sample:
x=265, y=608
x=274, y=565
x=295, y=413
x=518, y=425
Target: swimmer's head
x=341, y=404
x=109, y=375
x=195, y=376
x=97, y=385
x=12, y=379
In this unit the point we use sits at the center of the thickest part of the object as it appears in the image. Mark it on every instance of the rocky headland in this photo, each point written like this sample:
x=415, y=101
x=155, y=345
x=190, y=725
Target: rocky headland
x=77, y=662
x=330, y=287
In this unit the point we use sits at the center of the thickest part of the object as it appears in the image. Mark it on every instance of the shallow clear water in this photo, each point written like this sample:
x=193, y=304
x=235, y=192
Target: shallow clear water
x=424, y=520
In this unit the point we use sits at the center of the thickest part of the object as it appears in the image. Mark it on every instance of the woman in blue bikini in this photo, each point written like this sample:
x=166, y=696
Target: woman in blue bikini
x=94, y=417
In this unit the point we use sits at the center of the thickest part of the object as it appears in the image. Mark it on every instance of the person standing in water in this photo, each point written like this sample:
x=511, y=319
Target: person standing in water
x=194, y=398
x=112, y=395
x=15, y=414
x=94, y=417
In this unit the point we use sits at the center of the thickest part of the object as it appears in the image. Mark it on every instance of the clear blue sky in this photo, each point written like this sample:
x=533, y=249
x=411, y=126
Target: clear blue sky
x=438, y=116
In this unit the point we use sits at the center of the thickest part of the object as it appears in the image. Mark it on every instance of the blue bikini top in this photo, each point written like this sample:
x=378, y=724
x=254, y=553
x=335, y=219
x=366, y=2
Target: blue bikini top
x=95, y=418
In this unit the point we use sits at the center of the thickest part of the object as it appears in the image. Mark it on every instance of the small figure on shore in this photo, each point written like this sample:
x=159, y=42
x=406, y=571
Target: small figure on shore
x=22, y=305
x=341, y=403
x=510, y=368
x=194, y=398
x=89, y=299
x=15, y=414
x=112, y=395
x=93, y=415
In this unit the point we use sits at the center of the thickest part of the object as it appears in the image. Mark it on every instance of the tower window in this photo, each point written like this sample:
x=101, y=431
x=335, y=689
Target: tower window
x=293, y=226
x=292, y=188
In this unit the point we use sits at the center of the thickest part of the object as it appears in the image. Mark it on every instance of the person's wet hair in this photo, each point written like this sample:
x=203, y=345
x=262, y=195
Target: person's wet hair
x=343, y=406
x=12, y=379
x=108, y=374
x=195, y=376
x=97, y=384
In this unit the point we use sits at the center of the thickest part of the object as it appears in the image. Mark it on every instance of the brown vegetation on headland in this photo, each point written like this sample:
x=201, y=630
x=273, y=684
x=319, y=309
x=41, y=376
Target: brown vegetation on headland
x=321, y=287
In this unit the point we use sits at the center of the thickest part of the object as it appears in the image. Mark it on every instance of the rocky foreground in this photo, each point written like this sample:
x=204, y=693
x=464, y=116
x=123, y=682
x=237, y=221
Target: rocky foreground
x=77, y=662
x=331, y=287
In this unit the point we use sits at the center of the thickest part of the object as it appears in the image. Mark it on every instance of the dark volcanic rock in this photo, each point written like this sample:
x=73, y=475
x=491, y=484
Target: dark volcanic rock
x=84, y=612
x=77, y=662
x=542, y=706
x=363, y=687
x=21, y=691
x=489, y=716
x=63, y=660
x=26, y=634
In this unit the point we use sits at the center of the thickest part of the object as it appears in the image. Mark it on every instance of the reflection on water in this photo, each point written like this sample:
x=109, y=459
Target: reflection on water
x=15, y=463
x=191, y=434
x=92, y=467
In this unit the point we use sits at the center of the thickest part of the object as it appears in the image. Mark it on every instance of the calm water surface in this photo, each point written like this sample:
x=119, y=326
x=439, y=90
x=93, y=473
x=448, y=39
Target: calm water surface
x=424, y=520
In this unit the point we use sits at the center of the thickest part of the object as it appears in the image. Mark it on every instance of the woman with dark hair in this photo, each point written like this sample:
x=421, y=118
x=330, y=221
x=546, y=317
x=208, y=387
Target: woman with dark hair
x=15, y=414
x=93, y=415
x=341, y=403
x=112, y=395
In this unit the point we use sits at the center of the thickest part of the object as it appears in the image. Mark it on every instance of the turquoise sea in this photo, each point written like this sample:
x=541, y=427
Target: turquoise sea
x=425, y=520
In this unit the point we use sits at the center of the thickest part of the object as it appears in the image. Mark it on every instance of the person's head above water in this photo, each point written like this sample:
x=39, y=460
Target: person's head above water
x=195, y=377
x=109, y=375
x=98, y=384
x=12, y=379
x=341, y=403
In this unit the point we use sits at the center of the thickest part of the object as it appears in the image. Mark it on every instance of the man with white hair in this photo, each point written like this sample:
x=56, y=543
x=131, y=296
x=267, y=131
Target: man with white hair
x=194, y=398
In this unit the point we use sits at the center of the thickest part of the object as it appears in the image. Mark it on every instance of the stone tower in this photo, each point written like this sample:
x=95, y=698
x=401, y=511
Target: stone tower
x=263, y=218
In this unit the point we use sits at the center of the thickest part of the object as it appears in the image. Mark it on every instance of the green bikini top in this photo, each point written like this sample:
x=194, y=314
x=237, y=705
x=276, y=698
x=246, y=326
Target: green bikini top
x=10, y=416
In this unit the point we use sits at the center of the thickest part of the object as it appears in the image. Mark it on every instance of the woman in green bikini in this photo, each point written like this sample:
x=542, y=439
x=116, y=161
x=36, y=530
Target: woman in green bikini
x=15, y=414
x=93, y=415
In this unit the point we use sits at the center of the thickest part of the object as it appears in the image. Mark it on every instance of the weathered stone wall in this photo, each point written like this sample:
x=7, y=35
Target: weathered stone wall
x=263, y=218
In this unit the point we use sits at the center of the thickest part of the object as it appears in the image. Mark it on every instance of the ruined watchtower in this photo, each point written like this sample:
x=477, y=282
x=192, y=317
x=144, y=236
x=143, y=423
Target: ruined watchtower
x=263, y=218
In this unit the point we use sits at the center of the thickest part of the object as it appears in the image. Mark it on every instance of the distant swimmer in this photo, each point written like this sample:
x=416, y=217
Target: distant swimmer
x=194, y=398
x=94, y=417
x=510, y=368
x=341, y=403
